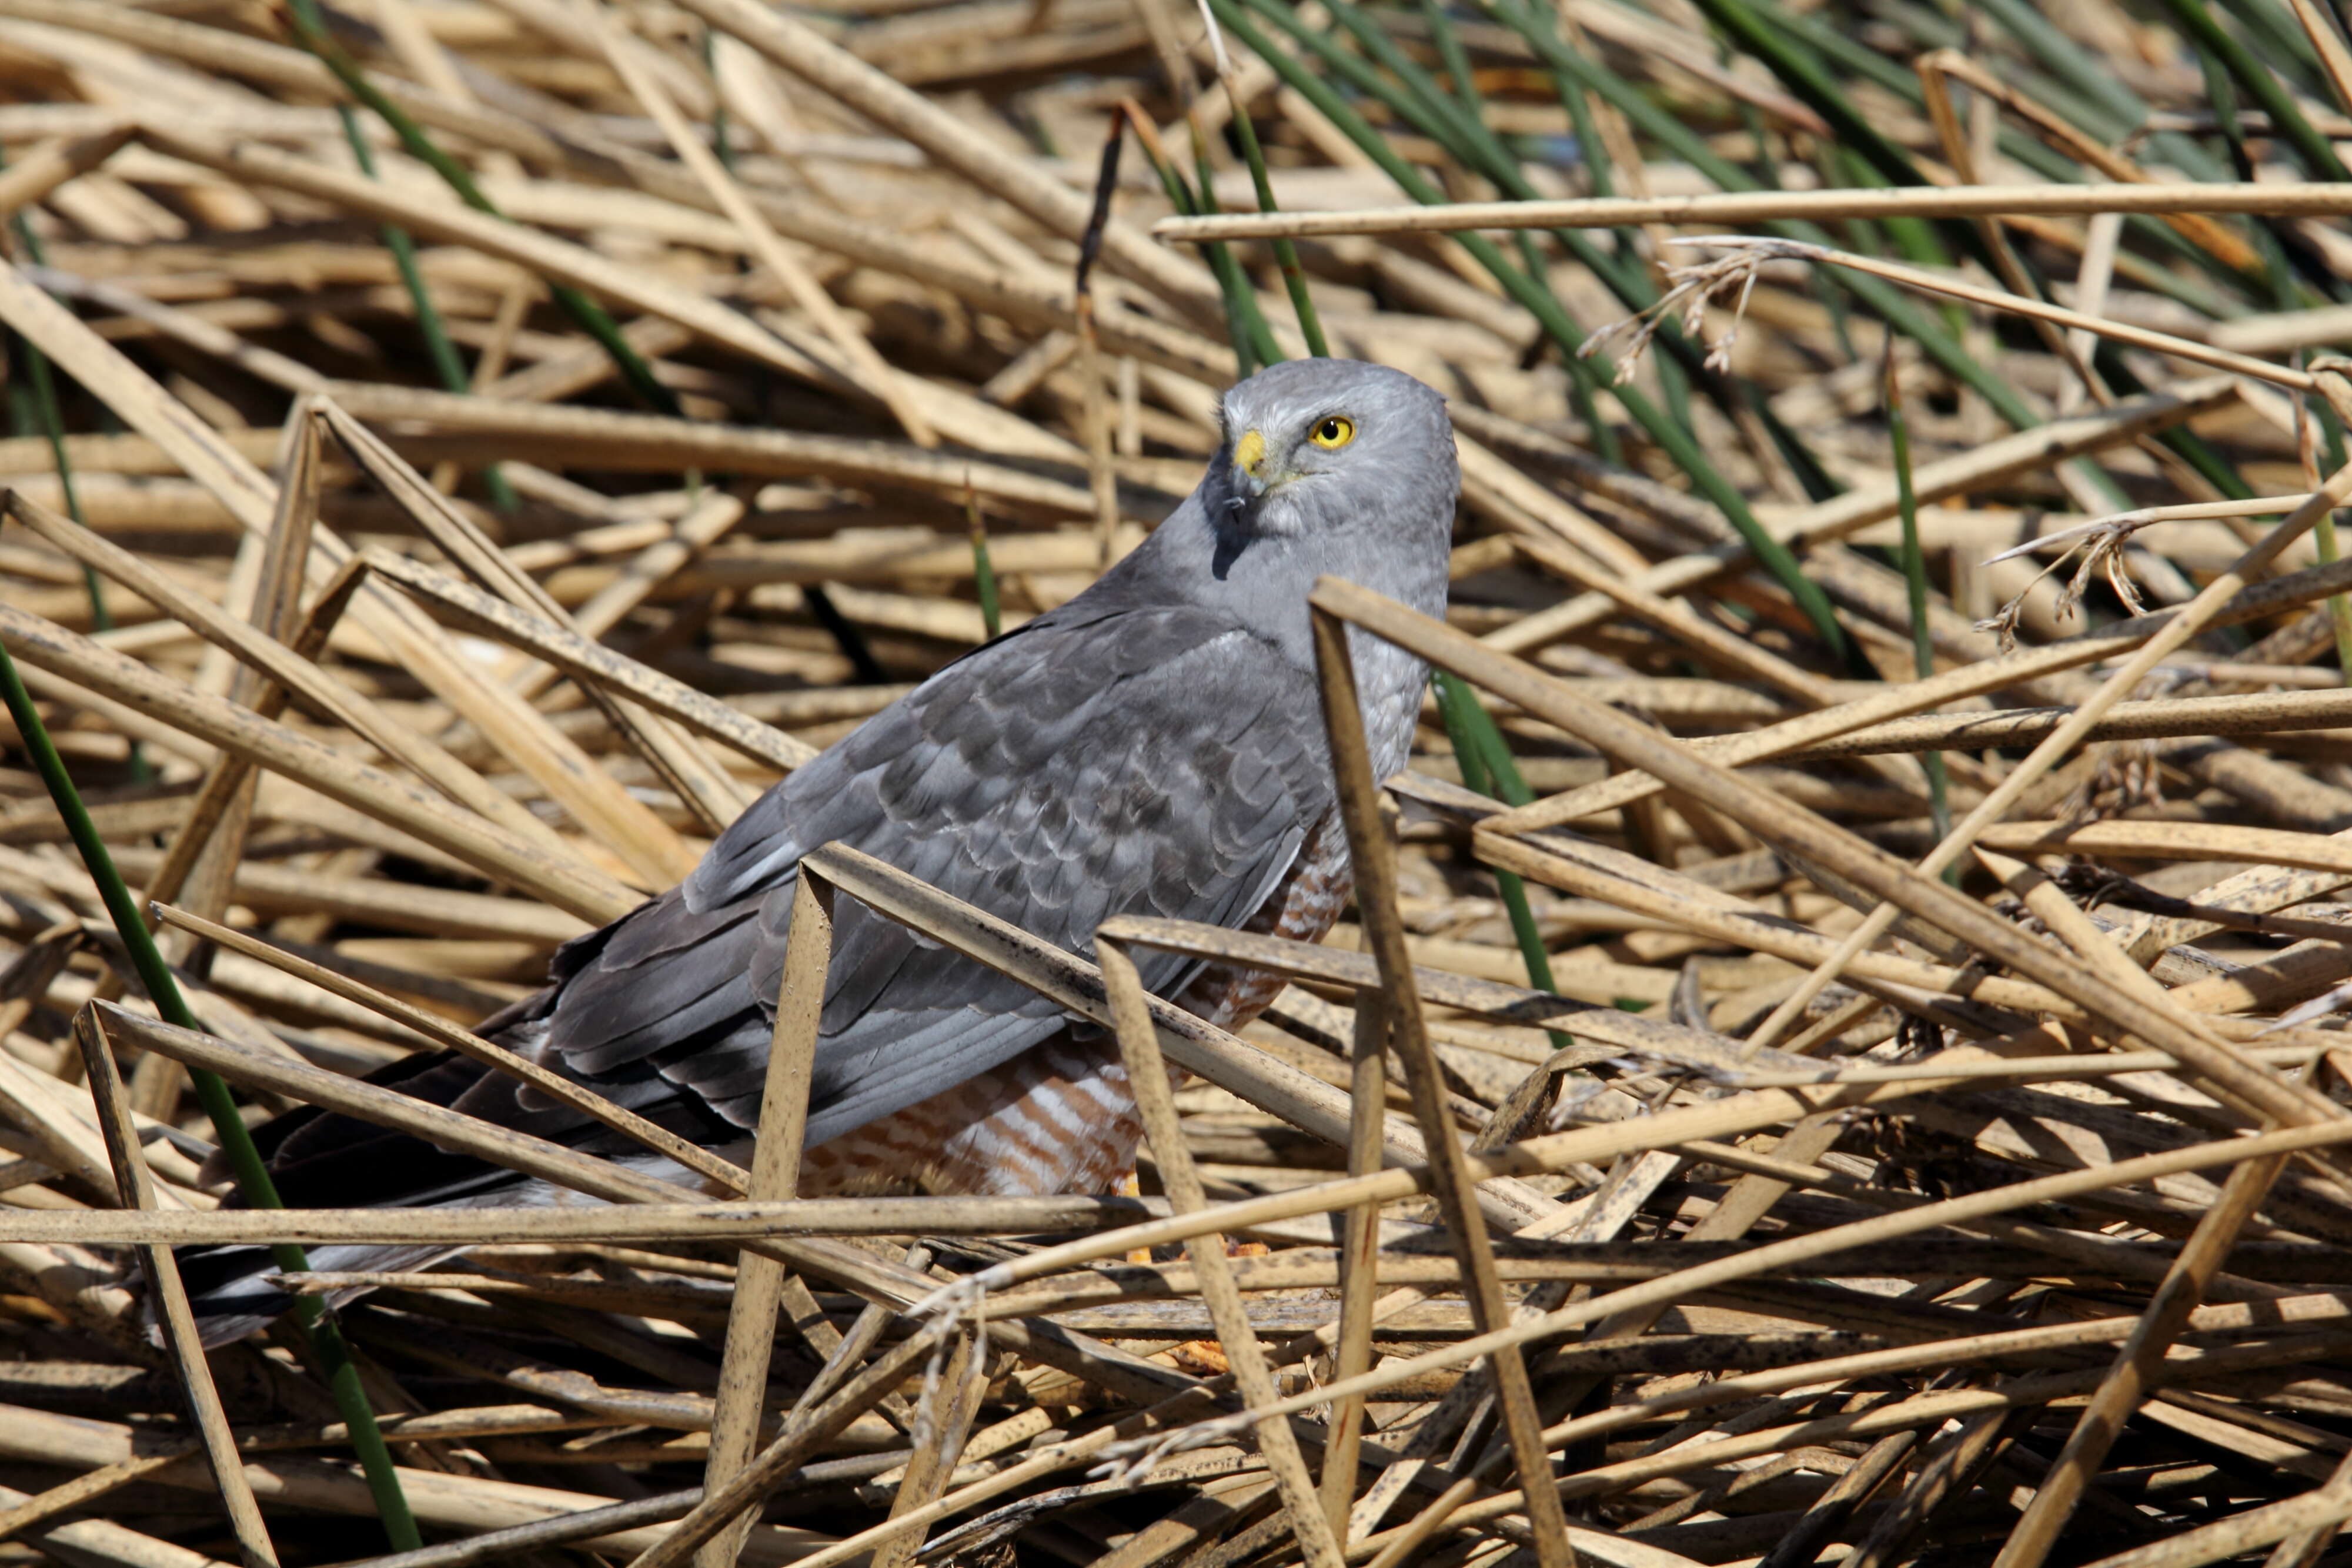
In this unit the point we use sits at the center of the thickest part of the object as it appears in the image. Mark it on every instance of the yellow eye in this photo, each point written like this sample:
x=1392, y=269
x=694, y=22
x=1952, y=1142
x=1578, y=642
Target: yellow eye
x=1335, y=432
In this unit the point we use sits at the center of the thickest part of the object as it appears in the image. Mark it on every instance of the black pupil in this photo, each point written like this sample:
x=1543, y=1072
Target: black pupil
x=1331, y=431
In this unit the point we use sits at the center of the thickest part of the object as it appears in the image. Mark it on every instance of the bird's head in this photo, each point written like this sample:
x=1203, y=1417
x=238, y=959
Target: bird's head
x=1319, y=444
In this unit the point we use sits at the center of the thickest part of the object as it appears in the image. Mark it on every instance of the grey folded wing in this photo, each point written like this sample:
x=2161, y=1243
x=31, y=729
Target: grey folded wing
x=1160, y=761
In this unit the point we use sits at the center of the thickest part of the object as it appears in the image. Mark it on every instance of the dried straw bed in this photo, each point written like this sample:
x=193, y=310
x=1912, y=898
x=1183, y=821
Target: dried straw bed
x=1920, y=1141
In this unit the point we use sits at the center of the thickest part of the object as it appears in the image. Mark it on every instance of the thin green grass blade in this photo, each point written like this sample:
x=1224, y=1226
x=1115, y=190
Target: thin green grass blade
x=722, y=131
x=1624, y=276
x=1241, y=293
x=1802, y=73
x=2339, y=607
x=590, y=317
x=2281, y=42
x=1882, y=299
x=2325, y=537
x=1285, y=253
x=1489, y=768
x=1914, y=578
x=1231, y=281
x=438, y=345
x=983, y=571
x=585, y=313
x=2096, y=83
x=2191, y=447
x=47, y=416
x=1452, y=59
x=1412, y=94
x=36, y=406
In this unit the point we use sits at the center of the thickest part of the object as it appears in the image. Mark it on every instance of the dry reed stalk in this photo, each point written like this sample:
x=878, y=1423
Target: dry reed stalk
x=1774, y=1233
x=1766, y=207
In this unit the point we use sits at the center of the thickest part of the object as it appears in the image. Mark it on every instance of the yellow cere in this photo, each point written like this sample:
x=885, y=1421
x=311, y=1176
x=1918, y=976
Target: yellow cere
x=1249, y=451
x=1335, y=432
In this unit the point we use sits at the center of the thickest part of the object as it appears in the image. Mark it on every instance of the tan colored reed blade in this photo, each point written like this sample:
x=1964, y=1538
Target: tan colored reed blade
x=263, y=654
x=31, y=179
x=866, y=366
x=568, y=883
x=2186, y=624
x=829, y=68
x=1147, y=1072
x=1856, y=509
x=1727, y=210
x=775, y=1174
x=1195, y=1045
x=1371, y=850
x=2120, y=1391
x=1899, y=885
x=1359, y=1250
x=583, y=659
x=560, y=766
x=178, y=1321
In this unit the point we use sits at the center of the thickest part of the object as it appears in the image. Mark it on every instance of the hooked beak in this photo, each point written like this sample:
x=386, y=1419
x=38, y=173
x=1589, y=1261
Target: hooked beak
x=1249, y=456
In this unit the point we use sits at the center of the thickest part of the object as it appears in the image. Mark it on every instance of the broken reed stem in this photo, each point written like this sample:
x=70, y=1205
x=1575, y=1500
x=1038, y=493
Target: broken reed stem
x=1371, y=851
x=775, y=1175
x=2121, y=1391
x=1147, y=1072
x=136, y=1187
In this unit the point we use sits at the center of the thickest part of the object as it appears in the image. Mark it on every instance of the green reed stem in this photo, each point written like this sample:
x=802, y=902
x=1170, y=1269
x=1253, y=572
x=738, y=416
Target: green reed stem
x=40, y=383
x=1914, y=578
x=1286, y=254
x=2325, y=540
x=723, y=135
x=1241, y=302
x=43, y=388
x=1489, y=768
x=2288, y=121
x=1241, y=292
x=983, y=571
x=1583, y=388
x=585, y=313
x=438, y=345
